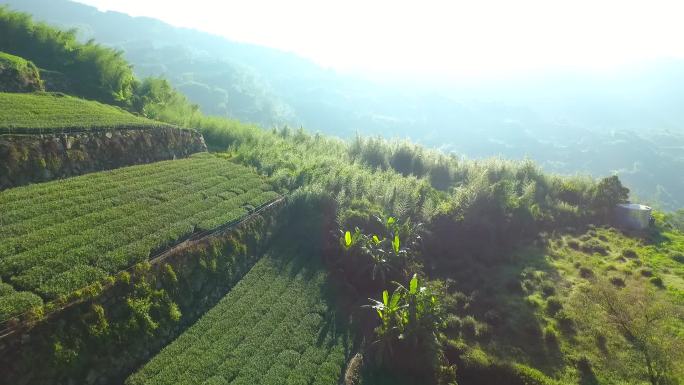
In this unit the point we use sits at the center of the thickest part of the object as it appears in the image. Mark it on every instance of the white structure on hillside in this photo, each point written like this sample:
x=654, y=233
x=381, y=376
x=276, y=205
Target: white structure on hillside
x=633, y=216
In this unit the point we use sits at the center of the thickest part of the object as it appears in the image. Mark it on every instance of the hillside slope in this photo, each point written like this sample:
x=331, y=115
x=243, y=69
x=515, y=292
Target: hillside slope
x=592, y=125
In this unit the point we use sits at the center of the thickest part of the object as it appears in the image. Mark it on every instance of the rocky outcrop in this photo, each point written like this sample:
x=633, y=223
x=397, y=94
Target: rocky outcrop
x=28, y=159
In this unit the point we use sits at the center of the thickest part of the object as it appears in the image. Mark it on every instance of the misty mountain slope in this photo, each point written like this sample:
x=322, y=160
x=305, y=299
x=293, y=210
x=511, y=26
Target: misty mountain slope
x=628, y=122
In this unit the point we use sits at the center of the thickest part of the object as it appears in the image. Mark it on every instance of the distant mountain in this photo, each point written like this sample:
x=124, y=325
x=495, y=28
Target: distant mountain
x=628, y=122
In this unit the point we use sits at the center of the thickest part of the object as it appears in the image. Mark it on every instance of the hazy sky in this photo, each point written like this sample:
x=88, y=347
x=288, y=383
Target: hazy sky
x=458, y=38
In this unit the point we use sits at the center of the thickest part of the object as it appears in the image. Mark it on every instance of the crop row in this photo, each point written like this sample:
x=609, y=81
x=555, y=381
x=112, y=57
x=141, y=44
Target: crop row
x=60, y=236
x=272, y=328
x=45, y=113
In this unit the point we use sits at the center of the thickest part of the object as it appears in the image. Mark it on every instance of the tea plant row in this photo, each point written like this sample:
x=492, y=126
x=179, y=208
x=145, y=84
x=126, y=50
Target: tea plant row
x=272, y=328
x=48, y=113
x=60, y=236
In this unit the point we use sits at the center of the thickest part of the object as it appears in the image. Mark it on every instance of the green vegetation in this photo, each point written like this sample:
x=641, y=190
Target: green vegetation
x=500, y=259
x=532, y=307
x=91, y=71
x=142, y=310
x=18, y=75
x=48, y=112
x=274, y=327
x=100, y=223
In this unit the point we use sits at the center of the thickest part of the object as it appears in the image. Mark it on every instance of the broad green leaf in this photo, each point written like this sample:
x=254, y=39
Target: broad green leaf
x=385, y=297
x=390, y=221
x=347, y=239
x=395, y=243
x=413, y=285
x=376, y=239
x=394, y=302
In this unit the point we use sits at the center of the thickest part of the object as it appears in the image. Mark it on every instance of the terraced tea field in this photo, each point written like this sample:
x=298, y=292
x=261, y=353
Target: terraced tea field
x=60, y=236
x=47, y=112
x=273, y=328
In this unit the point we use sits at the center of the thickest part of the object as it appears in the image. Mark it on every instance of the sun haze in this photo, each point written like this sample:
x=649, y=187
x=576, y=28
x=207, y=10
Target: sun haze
x=453, y=39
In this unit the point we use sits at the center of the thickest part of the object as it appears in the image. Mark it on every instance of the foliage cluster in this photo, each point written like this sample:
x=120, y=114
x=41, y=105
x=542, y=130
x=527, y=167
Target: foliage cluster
x=104, y=222
x=93, y=71
x=407, y=339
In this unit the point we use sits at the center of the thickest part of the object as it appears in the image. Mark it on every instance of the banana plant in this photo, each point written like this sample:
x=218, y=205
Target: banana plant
x=410, y=316
x=389, y=312
x=349, y=239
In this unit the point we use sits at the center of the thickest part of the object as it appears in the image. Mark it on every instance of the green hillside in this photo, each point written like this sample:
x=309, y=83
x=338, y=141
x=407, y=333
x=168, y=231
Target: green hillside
x=587, y=128
x=61, y=236
x=383, y=261
x=54, y=112
x=274, y=327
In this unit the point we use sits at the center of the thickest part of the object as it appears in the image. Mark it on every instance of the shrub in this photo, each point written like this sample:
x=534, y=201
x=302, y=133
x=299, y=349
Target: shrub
x=553, y=305
x=646, y=272
x=678, y=258
x=629, y=253
x=551, y=337
x=565, y=322
x=657, y=281
x=469, y=327
x=548, y=289
x=586, y=272
x=584, y=366
x=617, y=281
x=452, y=323
x=574, y=244
x=594, y=246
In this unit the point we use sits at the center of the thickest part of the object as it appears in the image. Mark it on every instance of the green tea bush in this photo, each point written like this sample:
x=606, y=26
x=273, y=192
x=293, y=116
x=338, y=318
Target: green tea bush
x=17, y=302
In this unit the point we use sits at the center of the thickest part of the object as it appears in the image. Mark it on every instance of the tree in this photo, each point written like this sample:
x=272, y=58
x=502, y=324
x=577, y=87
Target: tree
x=608, y=193
x=643, y=319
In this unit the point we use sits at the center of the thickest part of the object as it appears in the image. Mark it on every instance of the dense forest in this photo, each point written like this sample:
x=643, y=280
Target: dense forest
x=413, y=265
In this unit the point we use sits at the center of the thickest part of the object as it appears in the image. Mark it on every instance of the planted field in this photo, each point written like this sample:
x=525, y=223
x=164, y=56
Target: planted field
x=274, y=328
x=60, y=236
x=47, y=112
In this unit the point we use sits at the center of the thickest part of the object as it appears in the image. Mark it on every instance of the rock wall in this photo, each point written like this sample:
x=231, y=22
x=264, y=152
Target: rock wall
x=28, y=159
